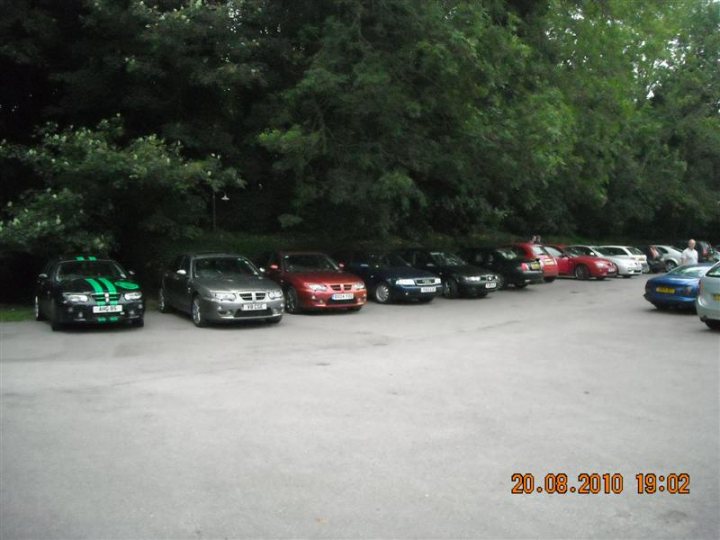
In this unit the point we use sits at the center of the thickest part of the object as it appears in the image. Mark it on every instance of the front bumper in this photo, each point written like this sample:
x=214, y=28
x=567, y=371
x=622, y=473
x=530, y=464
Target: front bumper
x=410, y=292
x=627, y=271
x=707, y=309
x=603, y=272
x=477, y=288
x=84, y=313
x=687, y=302
x=216, y=311
x=310, y=299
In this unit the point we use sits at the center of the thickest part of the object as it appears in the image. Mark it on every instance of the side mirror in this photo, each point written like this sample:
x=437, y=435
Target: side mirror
x=42, y=276
x=274, y=267
x=181, y=272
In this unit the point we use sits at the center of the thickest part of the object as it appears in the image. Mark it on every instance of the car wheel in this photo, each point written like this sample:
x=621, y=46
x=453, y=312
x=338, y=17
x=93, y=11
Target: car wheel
x=162, y=301
x=197, y=315
x=38, y=313
x=382, y=293
x=55, y=323
x=549, y=279
x=501, y=283
x=582, y=272
x=670, y=265
x=292, y=303
x=451, y=288
x=713, y=325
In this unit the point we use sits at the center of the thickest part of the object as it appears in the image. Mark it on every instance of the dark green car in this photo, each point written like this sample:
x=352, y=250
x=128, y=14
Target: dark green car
x=88, y=290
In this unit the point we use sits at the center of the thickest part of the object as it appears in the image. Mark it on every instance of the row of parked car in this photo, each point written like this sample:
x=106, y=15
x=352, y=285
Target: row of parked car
x=226, y=287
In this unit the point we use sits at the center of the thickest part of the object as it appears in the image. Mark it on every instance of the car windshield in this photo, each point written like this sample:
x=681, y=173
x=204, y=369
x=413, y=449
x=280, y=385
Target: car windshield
x=553, y=251
x=611, y=251
x=539, y=250
x=442, y=258
x=574, y=251
x=510, y=253
x=386, y=259
x=714, y=271
x=82, y=269
x=635, y=251
x=689, y=271
x=310, y=262
x=224, y=267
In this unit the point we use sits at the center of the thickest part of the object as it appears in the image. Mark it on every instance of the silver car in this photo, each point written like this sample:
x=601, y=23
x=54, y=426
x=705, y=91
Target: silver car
x=220, y=287
x=670, y=256
x=708, y=299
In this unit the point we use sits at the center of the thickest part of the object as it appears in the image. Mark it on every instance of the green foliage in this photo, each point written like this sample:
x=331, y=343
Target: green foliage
x=103, y=192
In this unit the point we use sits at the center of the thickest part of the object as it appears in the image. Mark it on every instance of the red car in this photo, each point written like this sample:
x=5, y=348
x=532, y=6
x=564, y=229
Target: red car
x=537, y=253
x=574, y=263
x=313, y=281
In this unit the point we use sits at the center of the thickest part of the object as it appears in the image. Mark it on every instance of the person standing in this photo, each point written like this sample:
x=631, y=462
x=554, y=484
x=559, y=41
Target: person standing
x=689, y=255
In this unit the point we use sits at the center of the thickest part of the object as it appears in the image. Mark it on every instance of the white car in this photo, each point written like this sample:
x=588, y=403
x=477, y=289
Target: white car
x=708, y=299
x=630, y=251
x=670, y=256
x=627, y=265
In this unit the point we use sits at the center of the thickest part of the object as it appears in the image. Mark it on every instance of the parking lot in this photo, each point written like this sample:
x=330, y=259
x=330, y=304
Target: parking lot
x=398, y=421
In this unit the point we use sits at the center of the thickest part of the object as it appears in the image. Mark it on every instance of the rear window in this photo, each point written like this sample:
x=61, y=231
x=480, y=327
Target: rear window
x=510, y=253
x=538, y=250
x=554, y=252
x=689, y=271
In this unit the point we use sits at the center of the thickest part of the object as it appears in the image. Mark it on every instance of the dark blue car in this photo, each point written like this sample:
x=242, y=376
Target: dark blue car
x=676, y=289
x=389, y=277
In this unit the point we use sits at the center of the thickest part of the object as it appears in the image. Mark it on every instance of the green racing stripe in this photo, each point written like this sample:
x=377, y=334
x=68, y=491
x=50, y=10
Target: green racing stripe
x=95, y=285
x=110, y=287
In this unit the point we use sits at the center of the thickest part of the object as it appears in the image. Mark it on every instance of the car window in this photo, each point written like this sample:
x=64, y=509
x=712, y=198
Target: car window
x=392, y=259
x=714, y=271
x=689, y=271
x=442, y=258
x=539, y=250
x=611, y=251
x=553, y=251
x=309, y=262
x=223, y=267
x=635, y=251
x=661, y=250
x=82, y=269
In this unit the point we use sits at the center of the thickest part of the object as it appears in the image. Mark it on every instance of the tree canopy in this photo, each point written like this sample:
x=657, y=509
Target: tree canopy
x=120, y=119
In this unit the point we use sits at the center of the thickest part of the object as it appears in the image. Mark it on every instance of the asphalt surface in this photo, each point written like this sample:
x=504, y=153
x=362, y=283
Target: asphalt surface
x=399, y=421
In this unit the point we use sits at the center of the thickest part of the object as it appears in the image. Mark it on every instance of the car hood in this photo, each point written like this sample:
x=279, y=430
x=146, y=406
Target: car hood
x=323, y=276
x=588, y=259
x=235, y=283
x=400, y=272
x=105, y=284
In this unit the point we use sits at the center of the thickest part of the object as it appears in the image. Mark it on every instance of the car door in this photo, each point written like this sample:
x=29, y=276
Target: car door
x=44, y=288
x=176, y=282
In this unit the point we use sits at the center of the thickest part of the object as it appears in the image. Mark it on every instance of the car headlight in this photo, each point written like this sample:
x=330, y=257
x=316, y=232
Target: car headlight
x=274, y=295
x=437, y=281
x=472, y=278
x=137, y=295
x=359, y=286
x=316, y=286
x=224, y=296
x=405, y=282
x=75, y=297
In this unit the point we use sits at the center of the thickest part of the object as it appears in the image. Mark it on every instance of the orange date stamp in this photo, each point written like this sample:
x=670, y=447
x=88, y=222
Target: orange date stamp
x=599, y=483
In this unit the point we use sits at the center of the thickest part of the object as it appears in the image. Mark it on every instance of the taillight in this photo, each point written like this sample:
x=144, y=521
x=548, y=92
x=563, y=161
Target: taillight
x=524, y=267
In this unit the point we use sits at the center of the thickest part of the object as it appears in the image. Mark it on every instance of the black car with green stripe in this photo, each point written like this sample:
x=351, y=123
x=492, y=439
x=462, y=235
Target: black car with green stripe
x=88, y=290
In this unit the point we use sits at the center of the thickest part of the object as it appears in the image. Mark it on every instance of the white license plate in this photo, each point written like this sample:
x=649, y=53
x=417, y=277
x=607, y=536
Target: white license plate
x=343, y=296
x=428, y=289
x=254, y=307
x=107, y=309
x=491, y=285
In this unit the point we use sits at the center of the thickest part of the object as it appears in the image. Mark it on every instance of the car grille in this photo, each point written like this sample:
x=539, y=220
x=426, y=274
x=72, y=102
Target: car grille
x=240, y=314
x=252, y=296
x=101, y=298
x=425, y=281
x=348, y=301
x=345, y=287
x=487, y=277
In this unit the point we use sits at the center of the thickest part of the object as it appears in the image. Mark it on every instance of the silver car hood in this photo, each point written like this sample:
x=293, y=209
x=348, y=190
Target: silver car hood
x=239, y=283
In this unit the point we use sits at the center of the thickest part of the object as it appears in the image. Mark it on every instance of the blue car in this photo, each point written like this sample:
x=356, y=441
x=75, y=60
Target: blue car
x=389, y=277
x=676, y=289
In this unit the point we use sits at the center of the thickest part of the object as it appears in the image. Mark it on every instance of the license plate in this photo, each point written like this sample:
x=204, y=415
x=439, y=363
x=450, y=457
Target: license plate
x=107, y=309
x=491, y=285
x=428, y=289
x=254, y=307
x=667, y=290
x=535, y=266
x=343, y=296
x=716, y=297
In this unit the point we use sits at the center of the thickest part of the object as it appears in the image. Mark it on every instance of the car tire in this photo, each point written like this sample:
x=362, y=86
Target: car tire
x=38, y=314
x=451, y=289
x=162, y=301
x=582, y=272
x=382, y=293
x=196, y=313
x=292, y=302
x=670, y=265
x=55, y=323
x=712, y=324
x=548, y=279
